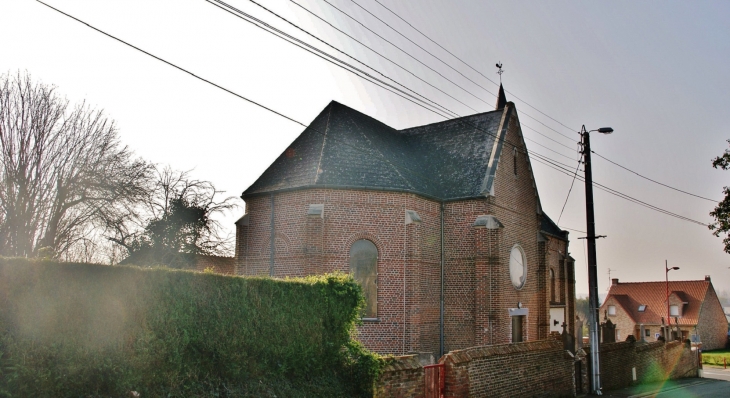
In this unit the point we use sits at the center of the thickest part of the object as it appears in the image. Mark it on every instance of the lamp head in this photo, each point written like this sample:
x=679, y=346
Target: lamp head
x=605, y=130
x=675, y=268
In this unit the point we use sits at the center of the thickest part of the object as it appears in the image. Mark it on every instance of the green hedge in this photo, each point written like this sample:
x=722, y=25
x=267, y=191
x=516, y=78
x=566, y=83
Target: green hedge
x=94, y=330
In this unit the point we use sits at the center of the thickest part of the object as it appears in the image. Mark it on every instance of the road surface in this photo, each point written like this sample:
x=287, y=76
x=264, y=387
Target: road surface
x=715, y=383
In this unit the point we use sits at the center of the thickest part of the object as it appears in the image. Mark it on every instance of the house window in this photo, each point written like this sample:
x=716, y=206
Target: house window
x=673, y=310
x=514, y=160
x=364, y=269
x=642, y=308
x=611, y=310
x=647, y=332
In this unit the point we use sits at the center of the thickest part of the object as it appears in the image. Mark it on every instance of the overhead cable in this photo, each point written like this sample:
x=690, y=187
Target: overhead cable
x=537, y=158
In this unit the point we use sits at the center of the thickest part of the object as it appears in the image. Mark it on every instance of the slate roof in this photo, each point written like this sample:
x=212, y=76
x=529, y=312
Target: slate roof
x=548, y=226
x=653, y=294
x=343, y=148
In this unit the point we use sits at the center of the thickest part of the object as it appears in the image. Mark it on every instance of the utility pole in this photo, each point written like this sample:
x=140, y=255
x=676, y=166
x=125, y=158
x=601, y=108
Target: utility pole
x=592, y=262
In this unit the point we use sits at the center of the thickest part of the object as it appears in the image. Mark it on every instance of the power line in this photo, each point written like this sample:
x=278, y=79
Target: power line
x=404, y=52
x=274, y=30
x=572, y=229
x=321, y=54
x=475, y=70
x=614, y=192
x=472, y=68
x=371, y=49
x=376, y=52
x=424, y=64
x=334, y=48
x=174, y=66
x=436, y=57
x=575, y=174
x=557, y=142
x=537, y=158
x=654, y=181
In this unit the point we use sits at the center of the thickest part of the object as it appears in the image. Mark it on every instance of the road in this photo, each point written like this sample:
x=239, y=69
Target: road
x=715, y=383
x=717, y=373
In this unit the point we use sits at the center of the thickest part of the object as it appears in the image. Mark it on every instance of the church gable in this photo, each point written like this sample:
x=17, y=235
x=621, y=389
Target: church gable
x=510, y=175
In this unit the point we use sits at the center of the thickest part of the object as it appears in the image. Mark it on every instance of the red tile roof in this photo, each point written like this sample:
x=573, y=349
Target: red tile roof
x=630, y=295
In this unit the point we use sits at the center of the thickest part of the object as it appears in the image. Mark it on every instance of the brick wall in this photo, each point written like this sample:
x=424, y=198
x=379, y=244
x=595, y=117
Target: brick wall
x=408, y=255
x=656, y=361
x=712, y=324
x=403, y=377
x=538, y=368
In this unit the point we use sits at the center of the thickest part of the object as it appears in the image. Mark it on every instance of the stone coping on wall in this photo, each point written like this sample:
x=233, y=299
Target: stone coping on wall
x=639, y=346
x=469, y=354
x=403, y=362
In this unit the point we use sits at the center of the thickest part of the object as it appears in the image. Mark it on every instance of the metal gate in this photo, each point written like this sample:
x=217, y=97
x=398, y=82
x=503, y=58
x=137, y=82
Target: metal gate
x=434, y=380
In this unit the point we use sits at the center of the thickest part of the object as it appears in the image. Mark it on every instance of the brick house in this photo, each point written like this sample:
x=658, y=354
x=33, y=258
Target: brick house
x=441, y=224
x=694, y=305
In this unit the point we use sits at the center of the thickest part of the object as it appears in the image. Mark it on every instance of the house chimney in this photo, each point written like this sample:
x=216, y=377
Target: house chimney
x=614, y=281
x=707, y=278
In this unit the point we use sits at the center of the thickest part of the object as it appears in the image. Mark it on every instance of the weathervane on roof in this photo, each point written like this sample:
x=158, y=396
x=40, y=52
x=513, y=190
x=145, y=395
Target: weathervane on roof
x=499, y=71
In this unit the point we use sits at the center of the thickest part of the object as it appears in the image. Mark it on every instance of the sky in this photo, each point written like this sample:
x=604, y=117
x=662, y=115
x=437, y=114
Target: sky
x=653, y=71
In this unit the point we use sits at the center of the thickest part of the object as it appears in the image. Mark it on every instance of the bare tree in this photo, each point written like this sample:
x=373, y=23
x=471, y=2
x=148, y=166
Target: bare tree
x=65, y=178
x=181, y=220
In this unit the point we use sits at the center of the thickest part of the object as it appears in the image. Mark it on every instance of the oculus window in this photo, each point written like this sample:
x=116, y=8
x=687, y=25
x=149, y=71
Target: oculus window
x=517, y=267
x=364, y=269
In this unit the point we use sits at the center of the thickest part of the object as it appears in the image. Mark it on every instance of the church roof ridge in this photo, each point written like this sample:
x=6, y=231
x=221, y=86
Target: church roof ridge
x=343, y=147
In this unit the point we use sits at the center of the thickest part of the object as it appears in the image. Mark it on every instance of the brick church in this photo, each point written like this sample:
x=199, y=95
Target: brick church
x=441, y=224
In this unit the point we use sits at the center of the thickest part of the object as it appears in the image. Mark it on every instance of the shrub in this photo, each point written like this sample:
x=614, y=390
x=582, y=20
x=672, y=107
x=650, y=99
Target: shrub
x=94, y=330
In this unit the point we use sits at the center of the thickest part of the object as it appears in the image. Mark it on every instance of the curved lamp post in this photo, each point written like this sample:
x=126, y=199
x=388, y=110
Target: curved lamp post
x=592, y=263
x=666, y=278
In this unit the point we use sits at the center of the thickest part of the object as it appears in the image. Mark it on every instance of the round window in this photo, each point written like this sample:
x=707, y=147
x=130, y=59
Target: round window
x=517, y=267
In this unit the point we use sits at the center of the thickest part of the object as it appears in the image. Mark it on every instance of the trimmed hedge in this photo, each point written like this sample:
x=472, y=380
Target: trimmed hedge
x=92, y=330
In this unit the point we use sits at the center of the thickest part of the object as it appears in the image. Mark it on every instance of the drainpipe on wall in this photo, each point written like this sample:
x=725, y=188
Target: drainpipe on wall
x=441, y=304
x=272, y=239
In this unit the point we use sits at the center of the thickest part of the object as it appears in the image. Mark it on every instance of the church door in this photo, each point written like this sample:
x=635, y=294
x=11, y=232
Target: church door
x=517, y=328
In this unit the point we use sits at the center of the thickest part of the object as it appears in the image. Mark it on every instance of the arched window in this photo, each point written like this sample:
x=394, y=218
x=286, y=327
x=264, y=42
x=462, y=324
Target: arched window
x=552, y=285
x=364, y=268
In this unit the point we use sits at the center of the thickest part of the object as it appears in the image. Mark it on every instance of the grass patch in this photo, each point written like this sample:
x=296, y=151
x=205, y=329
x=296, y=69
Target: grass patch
x=715, y=357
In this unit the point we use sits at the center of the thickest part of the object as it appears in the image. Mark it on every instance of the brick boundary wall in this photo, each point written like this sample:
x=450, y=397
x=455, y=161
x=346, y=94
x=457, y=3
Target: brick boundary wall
x=532, y=369
x=496, y=371
x=655, y=361
x=403, y=377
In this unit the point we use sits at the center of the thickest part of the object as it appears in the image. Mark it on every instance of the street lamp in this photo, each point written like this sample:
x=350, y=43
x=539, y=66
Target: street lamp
x=592, y=263
x=666, y=277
